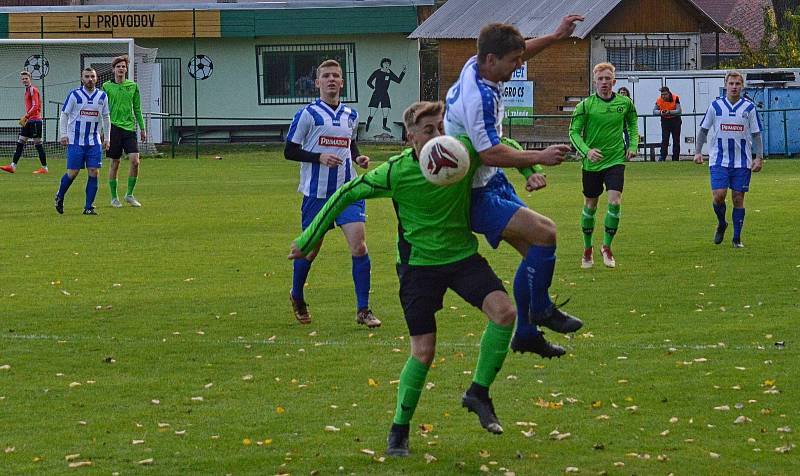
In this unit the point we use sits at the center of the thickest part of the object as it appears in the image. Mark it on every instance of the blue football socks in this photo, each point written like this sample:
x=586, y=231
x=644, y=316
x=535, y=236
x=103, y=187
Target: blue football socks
x=362, y=273
x=738, y=223
x=720, y=210
x=91, y=192
x=64, y=186
x=522, y=297
x=301, y=268
x=541, y=262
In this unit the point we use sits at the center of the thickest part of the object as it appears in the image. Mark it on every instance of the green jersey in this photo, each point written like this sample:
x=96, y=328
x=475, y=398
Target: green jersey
x=433, y=221
x=598, y=123
x=125, y=104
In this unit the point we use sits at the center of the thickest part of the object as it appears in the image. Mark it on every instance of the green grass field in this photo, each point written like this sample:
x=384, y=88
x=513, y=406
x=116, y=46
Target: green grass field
x=160, y=340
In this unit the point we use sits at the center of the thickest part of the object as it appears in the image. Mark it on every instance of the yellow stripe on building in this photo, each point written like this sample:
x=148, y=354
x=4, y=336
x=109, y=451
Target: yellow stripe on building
x=176, y=24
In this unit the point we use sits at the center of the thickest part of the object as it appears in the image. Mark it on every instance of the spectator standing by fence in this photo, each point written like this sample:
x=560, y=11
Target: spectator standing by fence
x=668, y=106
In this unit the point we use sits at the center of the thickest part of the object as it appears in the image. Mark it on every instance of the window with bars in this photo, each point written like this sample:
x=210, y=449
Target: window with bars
x=286, y=73
x=648, y=54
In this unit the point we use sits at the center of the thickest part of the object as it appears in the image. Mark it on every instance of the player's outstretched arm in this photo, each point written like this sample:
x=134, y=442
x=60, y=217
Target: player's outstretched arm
x=501, y=155
x=534, y=46
x=373, y=184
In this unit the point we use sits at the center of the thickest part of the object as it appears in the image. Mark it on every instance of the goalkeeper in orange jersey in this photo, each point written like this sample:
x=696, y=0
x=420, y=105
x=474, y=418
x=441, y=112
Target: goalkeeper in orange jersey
x=31, y=123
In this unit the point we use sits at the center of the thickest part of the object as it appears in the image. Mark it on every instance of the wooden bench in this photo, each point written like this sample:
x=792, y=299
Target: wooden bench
x=232, y=133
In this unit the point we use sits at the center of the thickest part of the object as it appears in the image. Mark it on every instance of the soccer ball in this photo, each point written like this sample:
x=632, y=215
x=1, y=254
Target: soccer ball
x=444, y=160
x=37, y=65
x=200, y=67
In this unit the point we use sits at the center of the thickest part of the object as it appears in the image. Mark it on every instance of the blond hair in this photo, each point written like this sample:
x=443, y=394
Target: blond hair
x=25, y=73
x=603, y=66
x=328, y=63
x=415, y=112
x=735, y=74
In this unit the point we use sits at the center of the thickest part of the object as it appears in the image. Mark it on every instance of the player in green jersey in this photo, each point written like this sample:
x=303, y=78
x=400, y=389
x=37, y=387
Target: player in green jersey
x=596, y=131
x=436, y=250
x=126, y=113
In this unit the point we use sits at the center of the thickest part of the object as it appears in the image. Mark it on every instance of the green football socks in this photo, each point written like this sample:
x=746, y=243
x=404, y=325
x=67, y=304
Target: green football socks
x=612, y=223
x=494, y=347
x=587, y=224
x=131, y=185
x=412, y=379
x=112, y=185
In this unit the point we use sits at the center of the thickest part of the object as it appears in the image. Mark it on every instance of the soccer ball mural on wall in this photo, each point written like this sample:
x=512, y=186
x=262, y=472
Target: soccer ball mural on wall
x=201, y=67
x=37, y=65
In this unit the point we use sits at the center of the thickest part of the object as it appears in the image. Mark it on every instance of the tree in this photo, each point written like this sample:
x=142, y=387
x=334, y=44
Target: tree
x=778, y=48
x=781, y=7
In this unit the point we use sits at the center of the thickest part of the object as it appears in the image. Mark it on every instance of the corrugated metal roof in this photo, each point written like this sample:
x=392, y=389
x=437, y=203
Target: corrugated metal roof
x=177, y=6
x=463, y=19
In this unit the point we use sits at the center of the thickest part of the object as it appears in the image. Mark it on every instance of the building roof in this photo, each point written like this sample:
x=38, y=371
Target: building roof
x=177, y=6
x=462, y=19
x=744, y=15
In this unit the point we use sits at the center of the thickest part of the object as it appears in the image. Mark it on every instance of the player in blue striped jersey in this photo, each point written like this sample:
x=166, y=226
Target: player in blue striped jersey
x=322, y=138
x=736, y=131
x=84, y=110
x=475, y=109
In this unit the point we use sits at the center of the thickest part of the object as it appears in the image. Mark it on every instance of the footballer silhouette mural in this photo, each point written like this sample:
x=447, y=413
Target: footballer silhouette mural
x=379, y=82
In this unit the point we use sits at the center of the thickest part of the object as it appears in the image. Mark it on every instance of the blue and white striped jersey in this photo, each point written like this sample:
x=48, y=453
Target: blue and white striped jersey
x=85, y=112
x=475, y=108
x=731, y=128
x=320, y=129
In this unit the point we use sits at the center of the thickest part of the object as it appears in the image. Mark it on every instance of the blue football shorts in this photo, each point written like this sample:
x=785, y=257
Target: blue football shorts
x=734, y=178
x=492, y=207
x=355, y=213
x=84, y=156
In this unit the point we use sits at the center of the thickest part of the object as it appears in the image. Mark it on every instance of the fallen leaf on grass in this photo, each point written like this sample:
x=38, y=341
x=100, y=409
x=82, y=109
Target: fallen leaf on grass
x=372, y=383
x=713, y=455
x=9, y=449
x=785, y=448
x=137, y=442
x=79, y=464
x=571, y=469
x=368, y=452
x=429, y=458
x=5, y=367
x=197, y=399
x=72, y=457
x=426, y=427
x=331, y=429
x=146, y=461
x=247, y=441
x=722, y=408
x=279, y=410
x=247, y=378
x=741, y=419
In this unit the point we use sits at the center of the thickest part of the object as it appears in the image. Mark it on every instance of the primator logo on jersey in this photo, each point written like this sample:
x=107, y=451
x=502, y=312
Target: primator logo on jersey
x=731, y=127
x=89, y=112
x=329, y=141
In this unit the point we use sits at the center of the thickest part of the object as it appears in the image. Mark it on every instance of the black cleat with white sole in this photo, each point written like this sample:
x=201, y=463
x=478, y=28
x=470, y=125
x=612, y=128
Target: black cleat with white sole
x=536, y=344
x=555, y=319
x=484, y=408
